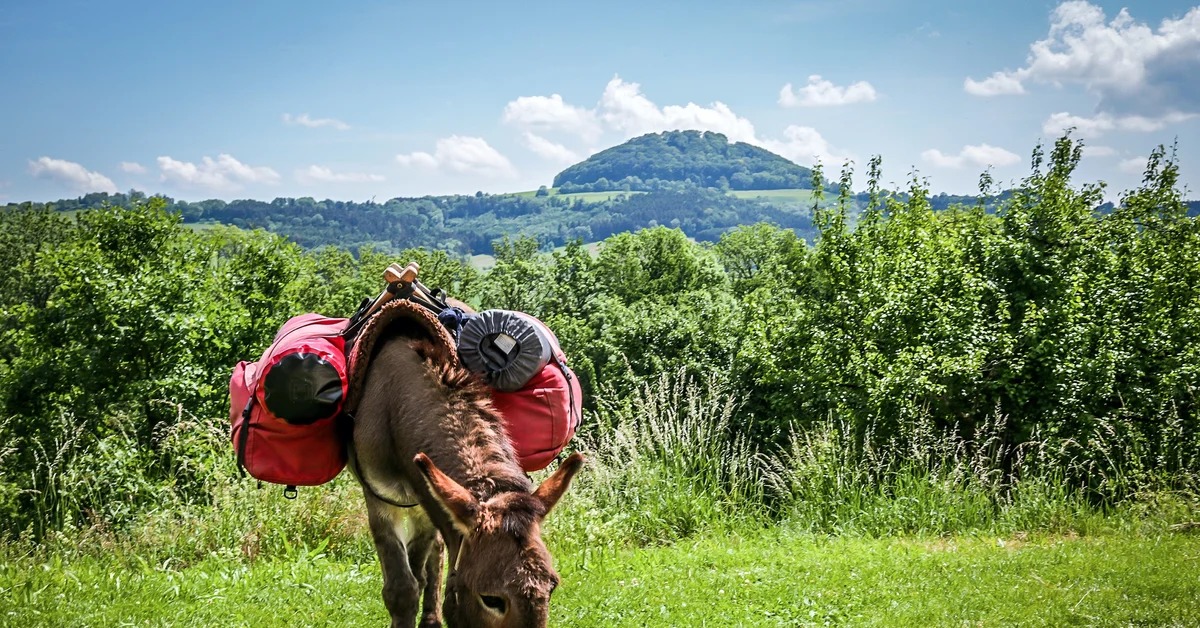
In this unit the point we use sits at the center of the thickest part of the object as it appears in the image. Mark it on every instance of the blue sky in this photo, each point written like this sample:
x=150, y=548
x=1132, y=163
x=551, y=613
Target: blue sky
x=355, y=100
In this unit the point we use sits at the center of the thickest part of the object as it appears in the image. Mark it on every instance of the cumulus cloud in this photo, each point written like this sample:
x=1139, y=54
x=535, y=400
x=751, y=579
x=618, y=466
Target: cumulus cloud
x=1133, y=165
x=551, y=113
x=79, y=178
x=804, y=145
x=322, y=174
x=623, y=107
x=1132, y=68
x=822, y=93
x=550, y=150
x=995, y=85
x=1099, y=151
x=1101, y=123
x=418, y=158
x=472, y=155
x=981, y=156
x=224, y=174
x=314, y=123
x=132, y=167
x=627, y=112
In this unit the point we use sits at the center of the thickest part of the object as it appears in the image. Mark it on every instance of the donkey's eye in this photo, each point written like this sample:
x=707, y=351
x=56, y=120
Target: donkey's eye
x=494, y=602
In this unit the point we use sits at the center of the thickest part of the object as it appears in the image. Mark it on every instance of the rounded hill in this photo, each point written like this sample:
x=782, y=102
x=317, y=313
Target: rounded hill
x=706, y=159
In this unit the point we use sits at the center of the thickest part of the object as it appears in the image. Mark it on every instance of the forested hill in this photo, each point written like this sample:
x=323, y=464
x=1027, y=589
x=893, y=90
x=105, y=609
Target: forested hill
x=705, y=159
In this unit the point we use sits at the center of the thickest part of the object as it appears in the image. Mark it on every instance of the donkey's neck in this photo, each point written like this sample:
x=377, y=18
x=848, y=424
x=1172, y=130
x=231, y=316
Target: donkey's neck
x=476, y=452
x=484, y=461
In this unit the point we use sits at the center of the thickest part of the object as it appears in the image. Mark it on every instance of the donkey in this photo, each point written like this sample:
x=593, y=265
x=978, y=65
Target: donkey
x=438, y=470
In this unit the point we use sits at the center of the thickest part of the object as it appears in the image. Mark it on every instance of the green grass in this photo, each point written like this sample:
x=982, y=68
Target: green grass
x=794, y=195
x=790, y=195
x=596, y=197
x=776, y=578
x=485, y=262
x=202, y=226
x=482, y=262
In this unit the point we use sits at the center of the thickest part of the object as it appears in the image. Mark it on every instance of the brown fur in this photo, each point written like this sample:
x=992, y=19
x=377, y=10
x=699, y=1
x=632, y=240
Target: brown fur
x=425, y=429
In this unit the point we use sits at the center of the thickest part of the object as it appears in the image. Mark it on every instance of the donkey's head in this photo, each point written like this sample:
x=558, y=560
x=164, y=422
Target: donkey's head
x=503, y=576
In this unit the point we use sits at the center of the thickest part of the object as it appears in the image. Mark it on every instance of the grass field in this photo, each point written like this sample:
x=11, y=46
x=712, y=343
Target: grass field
x=796, y=196
x=485, y=262
x=590, y=197
x=773, y=579
x=791, y=195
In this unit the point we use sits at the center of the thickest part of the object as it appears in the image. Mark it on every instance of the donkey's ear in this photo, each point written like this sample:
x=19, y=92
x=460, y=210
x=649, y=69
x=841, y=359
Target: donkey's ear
x=555, y=485
x=457, y=501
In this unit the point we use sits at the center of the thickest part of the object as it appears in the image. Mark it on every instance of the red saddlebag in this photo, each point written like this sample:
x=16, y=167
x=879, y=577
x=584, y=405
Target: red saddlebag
x=285, y=407
x=542, y=415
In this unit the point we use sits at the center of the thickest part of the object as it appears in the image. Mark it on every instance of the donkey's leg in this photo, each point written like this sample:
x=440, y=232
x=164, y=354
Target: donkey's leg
x=401, y=591
x=425, y=561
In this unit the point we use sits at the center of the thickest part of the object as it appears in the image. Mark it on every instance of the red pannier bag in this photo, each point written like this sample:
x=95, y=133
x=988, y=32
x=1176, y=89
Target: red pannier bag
x=285, y=407
x=542, y=415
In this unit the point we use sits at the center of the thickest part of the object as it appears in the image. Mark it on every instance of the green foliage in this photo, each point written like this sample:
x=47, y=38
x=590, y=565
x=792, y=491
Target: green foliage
x=118, y=327
x=472, y=224
x=913, y=370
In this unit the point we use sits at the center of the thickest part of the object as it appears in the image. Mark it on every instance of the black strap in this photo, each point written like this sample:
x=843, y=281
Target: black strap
x=562, y=365
x=245, y=436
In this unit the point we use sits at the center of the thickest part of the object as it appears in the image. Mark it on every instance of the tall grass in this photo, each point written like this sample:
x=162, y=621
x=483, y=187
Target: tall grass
x=667, y=463
x=664, y=464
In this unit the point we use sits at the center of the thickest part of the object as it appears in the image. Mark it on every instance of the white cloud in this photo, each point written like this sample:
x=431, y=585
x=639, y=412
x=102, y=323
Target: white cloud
x=224, y=174
x=805, y=146
x=79, y=178
x=551, y=113
x=132, y=167
x=314, y=123
x=471, y=155
x=624, y=108
x=550, y=150
x=1101, y=123
x=822, y=93
x=625, y=111
x=1099, y=151
x=422, y=159
x=1133, y=165
x=981, y=155
x=1133, y=69
x=322, y=174
x=994, y=85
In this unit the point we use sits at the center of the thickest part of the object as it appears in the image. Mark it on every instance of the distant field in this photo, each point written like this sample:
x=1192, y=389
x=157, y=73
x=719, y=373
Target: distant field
x=201, y=226
x=793, y=195
x=530, y=193
x=482, y=261
x=591, y=197
x=596, y=197
x=486, y=262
